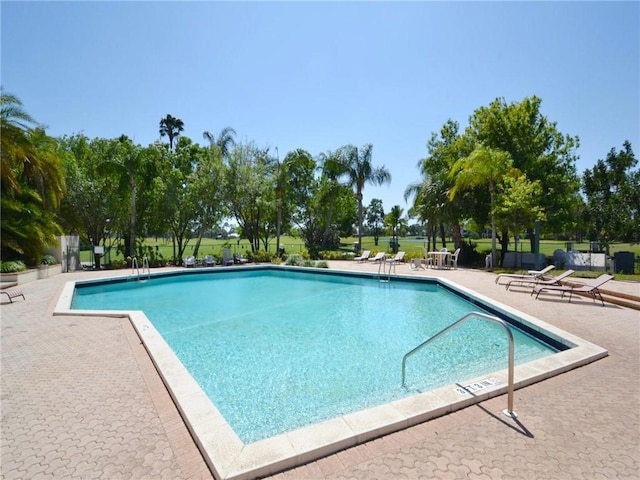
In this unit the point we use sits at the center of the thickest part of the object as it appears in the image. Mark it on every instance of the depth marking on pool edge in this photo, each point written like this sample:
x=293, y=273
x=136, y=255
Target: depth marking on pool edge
x=476, y=386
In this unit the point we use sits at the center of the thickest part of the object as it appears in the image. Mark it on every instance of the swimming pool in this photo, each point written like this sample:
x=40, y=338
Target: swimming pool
x=391, y=328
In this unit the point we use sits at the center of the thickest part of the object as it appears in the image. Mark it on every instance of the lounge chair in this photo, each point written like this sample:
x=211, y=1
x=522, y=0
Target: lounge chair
x=530, y=273
x=591, y=288
x=453, y=259
x=540, y=281
x=238, y=258
x=190, y=261
x=209, y=261
x=380, y=257
x=227, y=259
x=13, y=293
x=398, y=258
x=364, y=256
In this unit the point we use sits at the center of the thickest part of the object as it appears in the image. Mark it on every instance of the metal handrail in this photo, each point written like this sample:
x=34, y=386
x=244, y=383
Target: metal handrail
x=145, y=264
x=509, y=411
x=134, y=266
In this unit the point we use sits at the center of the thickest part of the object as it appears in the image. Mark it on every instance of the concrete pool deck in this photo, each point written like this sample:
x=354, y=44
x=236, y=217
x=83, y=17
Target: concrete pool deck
x=68, y=411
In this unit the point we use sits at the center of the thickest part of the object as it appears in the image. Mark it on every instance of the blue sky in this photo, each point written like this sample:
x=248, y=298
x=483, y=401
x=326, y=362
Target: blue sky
x=320, y=75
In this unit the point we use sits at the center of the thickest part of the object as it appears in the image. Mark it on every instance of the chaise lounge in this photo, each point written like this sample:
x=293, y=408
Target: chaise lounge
x=591, y=288
x=529, y=274
x=364, y=256
x=557, y=280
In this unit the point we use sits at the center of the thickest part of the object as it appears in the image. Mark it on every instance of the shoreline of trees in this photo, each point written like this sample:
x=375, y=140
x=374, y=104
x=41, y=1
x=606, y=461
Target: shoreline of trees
x=510, y=167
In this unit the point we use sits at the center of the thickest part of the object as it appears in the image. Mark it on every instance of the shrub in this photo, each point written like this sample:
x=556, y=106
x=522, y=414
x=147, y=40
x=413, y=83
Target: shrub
x=335, y=255
x=260, y=256
x=12, y=266
x=294, y=260
x=321, y=264
x=48, y=260
x=118, y=263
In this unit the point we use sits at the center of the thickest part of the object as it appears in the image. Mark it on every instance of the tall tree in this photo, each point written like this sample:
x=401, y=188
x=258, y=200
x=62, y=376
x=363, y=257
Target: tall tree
x=375, y=218
x=171, y=127
x=431, y=195
x=93, y=204
x=249, y=187
x=331, y=167
x=517, y=204
x=395, y=222
x=126, y=163
x=225, y=141
x=32, y=183
x=538, y=149
x=484, y=167
x=359, y=170
x=612, y=189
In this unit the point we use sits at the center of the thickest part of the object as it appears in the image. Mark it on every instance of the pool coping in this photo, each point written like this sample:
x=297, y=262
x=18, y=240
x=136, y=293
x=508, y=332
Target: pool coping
x=229, y=458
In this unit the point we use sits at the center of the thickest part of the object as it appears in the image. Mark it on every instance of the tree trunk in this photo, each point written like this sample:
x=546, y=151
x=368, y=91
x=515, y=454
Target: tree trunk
x=443, y=235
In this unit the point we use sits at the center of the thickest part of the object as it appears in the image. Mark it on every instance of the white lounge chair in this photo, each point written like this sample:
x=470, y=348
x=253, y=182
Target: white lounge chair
x=398, y=258
x=364, y=256
x=190, y=261
x=540, y=281
x=209, y=261
x=529, y=274
x=380, y=257
x=591, y=288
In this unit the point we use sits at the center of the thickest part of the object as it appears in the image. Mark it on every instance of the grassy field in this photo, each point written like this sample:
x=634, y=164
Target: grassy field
x=411, y=245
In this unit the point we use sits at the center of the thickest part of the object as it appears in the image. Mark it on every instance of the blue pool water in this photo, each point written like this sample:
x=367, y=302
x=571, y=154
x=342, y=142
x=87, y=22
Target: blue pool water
x=276, y=350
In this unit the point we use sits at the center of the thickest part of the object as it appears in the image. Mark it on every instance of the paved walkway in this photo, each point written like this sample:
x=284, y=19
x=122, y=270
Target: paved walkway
x=81, y=399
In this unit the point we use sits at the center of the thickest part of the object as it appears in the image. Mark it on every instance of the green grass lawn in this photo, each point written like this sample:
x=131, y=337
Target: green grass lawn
x=411, y=245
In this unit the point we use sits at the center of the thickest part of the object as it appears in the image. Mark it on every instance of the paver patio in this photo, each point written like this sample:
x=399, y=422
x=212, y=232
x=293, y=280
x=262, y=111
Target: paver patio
x=80, y=398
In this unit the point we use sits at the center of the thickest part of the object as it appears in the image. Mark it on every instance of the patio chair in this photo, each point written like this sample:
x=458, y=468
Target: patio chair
x=364, y=256
x=398, y=258
x=529, y=274
x=453, y=259
x=239, y=259
x=417, y=264
x=380, y=257
x=557, y=280
x=227, y=259
x=209, y=261
x=190, y=261
x=591, y=288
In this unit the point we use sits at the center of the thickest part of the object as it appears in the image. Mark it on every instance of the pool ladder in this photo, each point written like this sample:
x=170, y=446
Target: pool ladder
x=382, y=271
x=509, y=411
x=135, y=269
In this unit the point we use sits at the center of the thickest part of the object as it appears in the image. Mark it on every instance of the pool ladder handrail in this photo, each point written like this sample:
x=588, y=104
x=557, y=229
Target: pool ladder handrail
x=509, y=411
x=382, y=270
x=135, y=269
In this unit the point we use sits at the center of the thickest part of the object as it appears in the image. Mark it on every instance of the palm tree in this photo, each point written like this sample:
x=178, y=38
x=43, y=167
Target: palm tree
x=225, y=140
x=171, y=127
x=485, y=166
x=32, y=182
x=331, y=168
x=395, y=221
x=14, y=140
x=359, y=171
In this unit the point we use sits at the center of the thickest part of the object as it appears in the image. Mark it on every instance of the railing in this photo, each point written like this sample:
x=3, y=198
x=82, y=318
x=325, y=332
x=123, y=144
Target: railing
x=509, y=411
x=382, y=270
x=135, y=269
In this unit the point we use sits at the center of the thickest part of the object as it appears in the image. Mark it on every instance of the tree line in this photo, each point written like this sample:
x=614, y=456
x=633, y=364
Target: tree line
x=510, y=167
